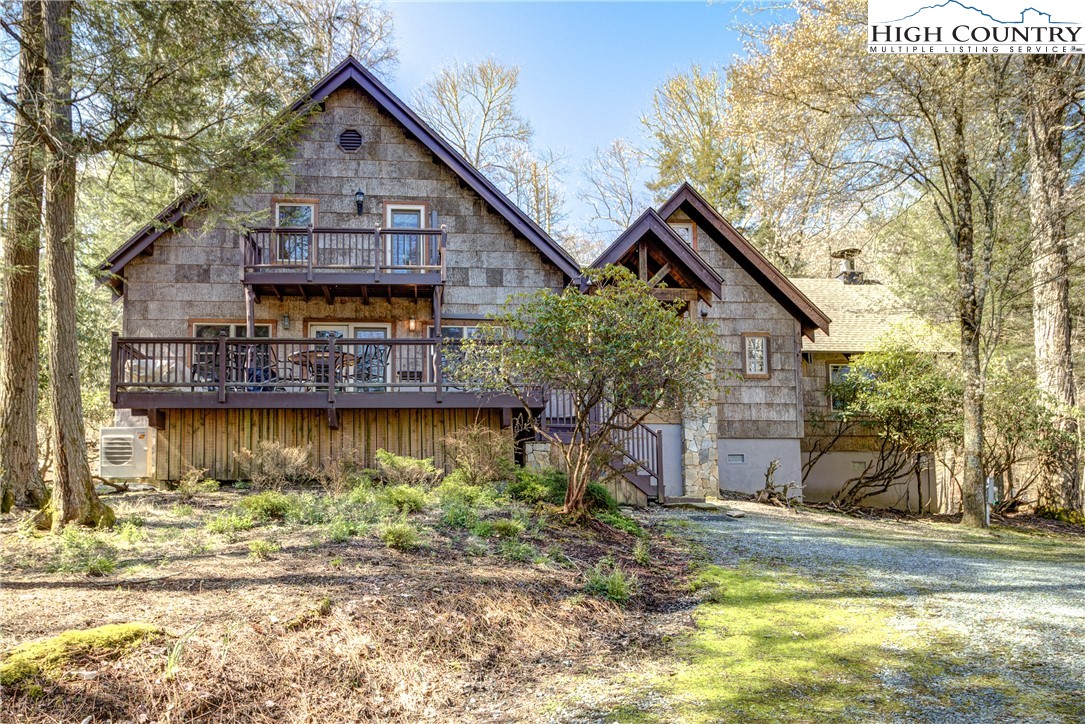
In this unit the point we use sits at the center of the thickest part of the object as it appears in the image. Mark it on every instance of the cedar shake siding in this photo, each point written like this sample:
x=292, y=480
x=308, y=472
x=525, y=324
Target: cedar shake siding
x=193, y=273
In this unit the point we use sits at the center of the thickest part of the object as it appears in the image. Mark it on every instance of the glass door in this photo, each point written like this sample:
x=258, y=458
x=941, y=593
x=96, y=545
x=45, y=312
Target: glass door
x=405, y=249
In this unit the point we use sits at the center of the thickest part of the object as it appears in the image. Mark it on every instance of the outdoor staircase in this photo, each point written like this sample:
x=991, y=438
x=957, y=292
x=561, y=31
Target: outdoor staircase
x=638, y=452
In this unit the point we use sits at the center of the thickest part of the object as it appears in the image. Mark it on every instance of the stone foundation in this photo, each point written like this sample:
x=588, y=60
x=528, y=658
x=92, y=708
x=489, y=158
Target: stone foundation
x=700, y=453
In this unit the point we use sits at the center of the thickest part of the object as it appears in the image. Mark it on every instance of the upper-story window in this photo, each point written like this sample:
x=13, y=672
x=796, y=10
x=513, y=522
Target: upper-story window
x=684, y=229
x=294, y=215
x=755, y=357
x=289, y=215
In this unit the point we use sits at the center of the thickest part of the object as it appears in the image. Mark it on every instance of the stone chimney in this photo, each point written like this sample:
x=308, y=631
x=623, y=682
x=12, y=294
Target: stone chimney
x=848, y=273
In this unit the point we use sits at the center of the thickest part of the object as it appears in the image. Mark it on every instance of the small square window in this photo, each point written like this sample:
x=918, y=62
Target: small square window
x=685, y=230
x=755, y=357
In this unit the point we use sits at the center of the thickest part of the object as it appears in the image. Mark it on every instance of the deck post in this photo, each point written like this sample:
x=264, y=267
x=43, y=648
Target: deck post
x=114, y=361
x=250, y=311
x=378, y=245
x=444, y=241
x=222, y=366
x=309, y=270
x=333, y=370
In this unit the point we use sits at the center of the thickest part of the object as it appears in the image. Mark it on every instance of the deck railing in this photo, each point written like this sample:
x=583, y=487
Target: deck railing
x=222, y=365
x=371, y=251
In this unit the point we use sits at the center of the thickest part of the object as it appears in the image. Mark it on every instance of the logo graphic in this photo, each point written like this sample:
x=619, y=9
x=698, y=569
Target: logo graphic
x=976, y=26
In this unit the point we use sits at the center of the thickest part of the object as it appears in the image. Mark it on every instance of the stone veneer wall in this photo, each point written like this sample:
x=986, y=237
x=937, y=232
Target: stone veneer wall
x=700, y=454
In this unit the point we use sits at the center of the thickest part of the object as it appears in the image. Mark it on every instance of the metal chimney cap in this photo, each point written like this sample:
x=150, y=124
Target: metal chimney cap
x=845, y=253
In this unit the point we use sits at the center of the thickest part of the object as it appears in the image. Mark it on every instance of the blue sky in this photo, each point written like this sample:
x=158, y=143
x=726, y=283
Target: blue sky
x=587, y=69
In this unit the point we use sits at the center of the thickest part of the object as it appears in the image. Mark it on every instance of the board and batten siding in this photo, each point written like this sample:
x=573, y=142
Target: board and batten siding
x=752, y=408
x=194, y=272
x=208, y=439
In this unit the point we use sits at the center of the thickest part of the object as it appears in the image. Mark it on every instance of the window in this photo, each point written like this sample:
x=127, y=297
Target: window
x=205, y=356
x=755, y=364
x=294, y=246
x=404, y=250
x=837, y=374
x=213, y=329
x=736, y=458
x=685, y=230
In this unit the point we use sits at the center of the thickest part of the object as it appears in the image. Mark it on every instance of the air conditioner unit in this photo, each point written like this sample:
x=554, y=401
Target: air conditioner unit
x=127, y=452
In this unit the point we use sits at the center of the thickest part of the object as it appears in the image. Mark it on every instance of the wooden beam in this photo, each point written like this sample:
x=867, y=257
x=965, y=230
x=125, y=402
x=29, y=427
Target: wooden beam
x=327, y=294
x=642, y=260
x=670, y=295
x=156, y=419
x=365, y=295
x=658, y=276
x=333, y=418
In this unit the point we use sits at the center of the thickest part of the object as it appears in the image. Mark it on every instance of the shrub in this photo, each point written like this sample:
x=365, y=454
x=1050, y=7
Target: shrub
x=483, y=529
x=193, y=483
x=641, y=552
x=262, y=549
x=273, y=466
x=308, y=510
x=481, y=454
x=607, y=580
x=516, y=550
x=454, y=489
x=597, y=497
x=230, y=521
x=84, y=552
x=557, y=555
x=342, y=474
x=268, y=505
x=402, y=536
x=401, y=470
x=458, y=515
x=538, y=486
x=182, y=511
x=621, y=522
x=405, y=499
x=506, y=528
x=341, y=530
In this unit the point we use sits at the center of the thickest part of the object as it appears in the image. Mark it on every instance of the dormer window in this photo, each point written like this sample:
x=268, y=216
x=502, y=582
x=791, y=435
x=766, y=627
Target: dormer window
x=684, y=229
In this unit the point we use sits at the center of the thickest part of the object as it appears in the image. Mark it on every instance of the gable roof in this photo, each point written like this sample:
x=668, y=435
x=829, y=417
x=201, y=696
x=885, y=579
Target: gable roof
x=752, y=261
x=651, y=224
x=350, y=71
x=861, y=313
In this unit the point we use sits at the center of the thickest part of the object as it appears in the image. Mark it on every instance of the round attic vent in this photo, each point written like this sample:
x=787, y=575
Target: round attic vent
x=350, y=140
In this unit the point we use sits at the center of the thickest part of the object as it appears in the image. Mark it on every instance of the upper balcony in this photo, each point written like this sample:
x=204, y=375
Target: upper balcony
x=314, y=262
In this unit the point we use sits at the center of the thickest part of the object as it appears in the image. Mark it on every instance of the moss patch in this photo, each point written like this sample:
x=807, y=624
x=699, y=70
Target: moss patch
x=44, y=658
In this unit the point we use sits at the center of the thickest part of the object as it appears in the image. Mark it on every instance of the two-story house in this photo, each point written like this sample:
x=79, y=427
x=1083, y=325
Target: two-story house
x=323, y=327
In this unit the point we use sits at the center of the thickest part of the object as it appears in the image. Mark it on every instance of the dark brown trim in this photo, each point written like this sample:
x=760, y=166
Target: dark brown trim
x=650, y=228
x=768, y=356
x=141, y=401
x=748, y=257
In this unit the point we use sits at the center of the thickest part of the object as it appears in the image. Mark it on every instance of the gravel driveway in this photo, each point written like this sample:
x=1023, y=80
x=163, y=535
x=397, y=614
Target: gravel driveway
x=1017, y=604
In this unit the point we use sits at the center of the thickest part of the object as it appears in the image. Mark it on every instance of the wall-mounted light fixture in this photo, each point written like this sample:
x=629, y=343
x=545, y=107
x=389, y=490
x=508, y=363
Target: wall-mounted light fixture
x=285, y=321
x=359, y=200
x=412, y=324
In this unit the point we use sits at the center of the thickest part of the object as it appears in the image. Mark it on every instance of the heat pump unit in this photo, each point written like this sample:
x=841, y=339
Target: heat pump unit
x=126, y=452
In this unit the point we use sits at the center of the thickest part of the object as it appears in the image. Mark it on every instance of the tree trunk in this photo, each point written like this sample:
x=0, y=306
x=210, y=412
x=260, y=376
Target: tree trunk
x=973, y=488
x=20, y=483
x=74, y=499
x=1048, y=97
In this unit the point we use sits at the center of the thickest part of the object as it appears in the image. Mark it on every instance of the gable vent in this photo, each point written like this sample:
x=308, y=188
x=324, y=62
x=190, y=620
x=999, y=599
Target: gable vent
x=350, y=140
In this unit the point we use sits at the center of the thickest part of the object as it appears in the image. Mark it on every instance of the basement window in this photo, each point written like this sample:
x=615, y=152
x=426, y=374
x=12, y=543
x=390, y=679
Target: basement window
x=736, y=458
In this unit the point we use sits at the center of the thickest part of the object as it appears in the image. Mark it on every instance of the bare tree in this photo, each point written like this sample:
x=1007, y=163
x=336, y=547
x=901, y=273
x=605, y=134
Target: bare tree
x=532, y=181
x=19, y=480
x=334, y=29
x=1053, y=83
x=473, y=107
x=614, y=186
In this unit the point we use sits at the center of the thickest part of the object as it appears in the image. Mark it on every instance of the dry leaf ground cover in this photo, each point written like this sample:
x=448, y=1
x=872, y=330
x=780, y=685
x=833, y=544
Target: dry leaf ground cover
x=305, y=606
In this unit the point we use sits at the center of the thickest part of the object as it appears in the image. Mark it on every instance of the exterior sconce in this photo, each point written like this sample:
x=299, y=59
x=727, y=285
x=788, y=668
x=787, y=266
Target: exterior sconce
x=359, y=200
x=285, y=321
x=412, y=324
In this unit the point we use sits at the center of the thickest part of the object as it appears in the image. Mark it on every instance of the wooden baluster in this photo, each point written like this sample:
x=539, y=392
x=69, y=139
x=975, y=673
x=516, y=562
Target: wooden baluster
x=378, y=242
